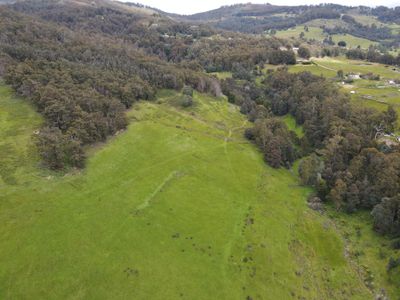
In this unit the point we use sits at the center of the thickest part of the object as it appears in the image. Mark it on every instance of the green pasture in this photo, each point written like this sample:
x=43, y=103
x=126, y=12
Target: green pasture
x=316, y=33
x=313, y=33
x=179, y=206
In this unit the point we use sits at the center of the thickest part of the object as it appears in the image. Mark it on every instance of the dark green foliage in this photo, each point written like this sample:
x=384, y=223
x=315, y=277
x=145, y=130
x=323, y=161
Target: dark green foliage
x=275, y=141
x=329, y=41
x=186, y=101
x=355, y=54
x=187, y=91
x=396, y=244
x=342, y=44
x=240, y=72
x=373, y=55
x=330, y=51
x=59, y=150
x=83, y=79
x=310, y=170
x=285, y=57
x=387, y=216
x=389, y=119
x=370, y=32
x=304, y=52
x=393, y=264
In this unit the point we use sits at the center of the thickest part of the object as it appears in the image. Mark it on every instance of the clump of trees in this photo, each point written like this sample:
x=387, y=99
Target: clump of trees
x=373, y=55
x=279, y=57
x=304, y=52
x=187, y=97
x=274, y=139
x=387, y=215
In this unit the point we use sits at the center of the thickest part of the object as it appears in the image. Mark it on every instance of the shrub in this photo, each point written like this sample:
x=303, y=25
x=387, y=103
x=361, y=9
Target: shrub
x=186, y=101
x=304, y=52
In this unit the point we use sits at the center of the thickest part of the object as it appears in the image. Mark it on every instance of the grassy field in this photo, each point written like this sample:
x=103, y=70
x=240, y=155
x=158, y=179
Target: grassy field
x=317, y=34
x=370, y=252
x=378, y=94
x=18, y=120
x=180, y=206
x=313, y=33
x=290, y=122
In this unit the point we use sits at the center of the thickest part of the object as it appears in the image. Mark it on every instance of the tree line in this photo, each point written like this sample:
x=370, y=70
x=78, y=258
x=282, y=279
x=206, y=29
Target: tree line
x=342, y=156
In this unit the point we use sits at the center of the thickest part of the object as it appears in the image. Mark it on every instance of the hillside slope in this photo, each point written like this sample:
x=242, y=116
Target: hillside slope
x=187, y=210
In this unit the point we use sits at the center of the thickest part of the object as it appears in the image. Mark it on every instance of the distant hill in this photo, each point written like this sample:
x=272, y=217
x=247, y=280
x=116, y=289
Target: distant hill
x=381, y=24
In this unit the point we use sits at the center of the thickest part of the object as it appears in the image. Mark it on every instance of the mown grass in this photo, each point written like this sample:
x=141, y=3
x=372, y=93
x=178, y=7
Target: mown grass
x=180, y=206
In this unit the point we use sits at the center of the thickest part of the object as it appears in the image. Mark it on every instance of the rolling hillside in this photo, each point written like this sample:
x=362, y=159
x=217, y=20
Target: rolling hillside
x=234, y=154
x=187, y=209
x=355, y=25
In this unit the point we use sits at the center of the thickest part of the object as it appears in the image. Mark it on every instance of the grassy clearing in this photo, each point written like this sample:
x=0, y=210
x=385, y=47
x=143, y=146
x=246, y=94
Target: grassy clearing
x=353, y=41
x=316, y=33
x=180, y=206
x=290, y=122
x=223, y=75
x=313, y=33
x=330, y=23
x=395, y=28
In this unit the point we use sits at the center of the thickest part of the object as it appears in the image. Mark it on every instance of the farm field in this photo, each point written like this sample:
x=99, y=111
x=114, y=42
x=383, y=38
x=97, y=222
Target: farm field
x=179, y=206
x=317, y=33
x=374, y=93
